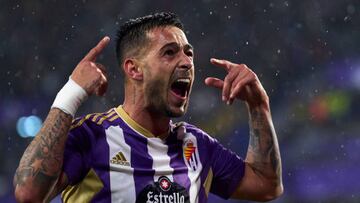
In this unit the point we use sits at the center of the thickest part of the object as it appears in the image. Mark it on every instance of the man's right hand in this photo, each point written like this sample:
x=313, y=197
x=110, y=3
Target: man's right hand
x=91, y=76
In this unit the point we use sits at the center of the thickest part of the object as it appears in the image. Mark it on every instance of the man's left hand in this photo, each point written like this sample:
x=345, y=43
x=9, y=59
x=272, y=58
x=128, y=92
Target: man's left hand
x=240, y=83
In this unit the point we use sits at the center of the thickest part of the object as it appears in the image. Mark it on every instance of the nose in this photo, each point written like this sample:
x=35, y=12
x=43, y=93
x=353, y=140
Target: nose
x=186, y=61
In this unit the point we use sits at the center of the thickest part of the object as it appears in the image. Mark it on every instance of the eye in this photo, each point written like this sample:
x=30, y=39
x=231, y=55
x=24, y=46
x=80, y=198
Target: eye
x=169, y=52
x=189, y=53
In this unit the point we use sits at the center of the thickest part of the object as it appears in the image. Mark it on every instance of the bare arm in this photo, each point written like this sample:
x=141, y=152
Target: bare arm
x=39, y=176
x=40, y=165
x=262, y=180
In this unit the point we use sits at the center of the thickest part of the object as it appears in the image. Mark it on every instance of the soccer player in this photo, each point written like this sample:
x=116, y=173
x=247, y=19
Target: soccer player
x=134, y=152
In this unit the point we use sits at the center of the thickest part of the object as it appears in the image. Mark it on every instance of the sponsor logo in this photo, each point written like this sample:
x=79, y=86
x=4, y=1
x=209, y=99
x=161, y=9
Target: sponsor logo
x=163, y=198
x=163, y=191
x=190, y=154
x=119, y=159
x=164, y=183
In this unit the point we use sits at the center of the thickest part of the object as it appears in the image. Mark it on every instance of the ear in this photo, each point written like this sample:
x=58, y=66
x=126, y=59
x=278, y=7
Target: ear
x=132, y=69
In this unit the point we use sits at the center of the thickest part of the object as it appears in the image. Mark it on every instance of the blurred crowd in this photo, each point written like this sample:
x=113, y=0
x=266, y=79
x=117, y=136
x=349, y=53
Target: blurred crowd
x=306, y=54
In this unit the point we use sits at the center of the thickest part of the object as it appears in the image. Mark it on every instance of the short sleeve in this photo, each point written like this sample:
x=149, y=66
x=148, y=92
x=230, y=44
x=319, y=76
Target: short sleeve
x=77, y=153
x=228, y=169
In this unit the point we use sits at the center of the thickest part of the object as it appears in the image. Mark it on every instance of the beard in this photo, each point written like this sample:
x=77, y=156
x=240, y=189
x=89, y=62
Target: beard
x=156, y=99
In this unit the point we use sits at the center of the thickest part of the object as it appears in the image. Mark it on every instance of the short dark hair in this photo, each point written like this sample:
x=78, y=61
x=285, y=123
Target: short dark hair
x=131, y=36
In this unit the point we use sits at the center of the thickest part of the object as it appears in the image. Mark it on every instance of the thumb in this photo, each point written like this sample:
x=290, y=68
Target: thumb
x=214, y=82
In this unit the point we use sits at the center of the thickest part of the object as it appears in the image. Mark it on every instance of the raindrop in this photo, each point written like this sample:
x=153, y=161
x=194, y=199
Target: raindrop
x=347, y=18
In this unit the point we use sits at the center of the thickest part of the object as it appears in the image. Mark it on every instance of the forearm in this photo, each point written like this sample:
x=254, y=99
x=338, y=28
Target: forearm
x=41, y=163
x=263, y=153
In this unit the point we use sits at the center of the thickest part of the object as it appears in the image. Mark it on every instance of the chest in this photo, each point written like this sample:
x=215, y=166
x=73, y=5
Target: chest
x=151, y=169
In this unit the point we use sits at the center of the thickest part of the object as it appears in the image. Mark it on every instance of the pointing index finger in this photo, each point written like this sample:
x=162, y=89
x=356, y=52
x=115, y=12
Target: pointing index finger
x=94, y=52
x=221, y=63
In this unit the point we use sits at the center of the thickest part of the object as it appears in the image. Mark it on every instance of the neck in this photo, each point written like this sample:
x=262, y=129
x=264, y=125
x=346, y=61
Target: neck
x=158, y=125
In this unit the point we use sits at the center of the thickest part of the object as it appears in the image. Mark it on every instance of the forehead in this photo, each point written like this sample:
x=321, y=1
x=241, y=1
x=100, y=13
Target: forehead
x=163, y=35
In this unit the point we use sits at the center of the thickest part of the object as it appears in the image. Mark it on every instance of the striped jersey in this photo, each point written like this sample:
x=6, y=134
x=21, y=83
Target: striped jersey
x=110, y=158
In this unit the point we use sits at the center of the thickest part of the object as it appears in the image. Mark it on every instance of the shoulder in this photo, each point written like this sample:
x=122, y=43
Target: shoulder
x=87, y=130
x=95, y=120
x=196, y=131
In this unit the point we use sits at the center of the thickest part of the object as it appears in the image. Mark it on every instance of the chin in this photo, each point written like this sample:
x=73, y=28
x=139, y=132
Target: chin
x=175, y=112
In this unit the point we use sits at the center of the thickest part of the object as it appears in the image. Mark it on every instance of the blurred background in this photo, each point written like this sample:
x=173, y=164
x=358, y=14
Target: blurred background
x=306, y=53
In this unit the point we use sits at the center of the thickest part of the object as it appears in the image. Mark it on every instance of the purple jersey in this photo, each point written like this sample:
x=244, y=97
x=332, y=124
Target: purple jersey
x=110, y=158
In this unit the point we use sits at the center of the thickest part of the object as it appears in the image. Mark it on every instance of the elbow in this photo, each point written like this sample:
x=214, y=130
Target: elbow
x=24, y=195
x=275, y=192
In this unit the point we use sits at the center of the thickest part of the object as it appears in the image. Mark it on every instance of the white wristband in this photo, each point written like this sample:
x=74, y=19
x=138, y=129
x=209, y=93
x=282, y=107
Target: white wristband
x=70, y=97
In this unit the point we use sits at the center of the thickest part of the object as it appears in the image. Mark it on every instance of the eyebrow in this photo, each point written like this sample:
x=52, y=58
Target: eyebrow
x=172, y=44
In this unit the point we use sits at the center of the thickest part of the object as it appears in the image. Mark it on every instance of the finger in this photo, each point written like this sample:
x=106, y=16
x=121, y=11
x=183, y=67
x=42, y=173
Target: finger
x=228, y=81
x=239, y=79
x=102, y=68
x=101, y=90
x=94, y=52
x=237, y=91
x=244, y=73
x=233, y=94
x=214, y=82
x=221, y=63
x=102, y=75
x=241, y=86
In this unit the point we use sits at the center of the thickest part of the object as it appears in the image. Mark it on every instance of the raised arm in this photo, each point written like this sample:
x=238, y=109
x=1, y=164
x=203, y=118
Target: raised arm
x=39, y=176
x=262, y=180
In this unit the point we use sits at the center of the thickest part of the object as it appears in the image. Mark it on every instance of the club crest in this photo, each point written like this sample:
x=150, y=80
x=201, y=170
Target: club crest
x=190, y=154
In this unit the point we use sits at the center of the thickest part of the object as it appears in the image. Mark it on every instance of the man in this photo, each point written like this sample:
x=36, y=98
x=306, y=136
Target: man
x=134, y=153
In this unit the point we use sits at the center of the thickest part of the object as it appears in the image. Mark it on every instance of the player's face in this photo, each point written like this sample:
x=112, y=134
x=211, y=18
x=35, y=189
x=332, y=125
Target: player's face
x=168, y=71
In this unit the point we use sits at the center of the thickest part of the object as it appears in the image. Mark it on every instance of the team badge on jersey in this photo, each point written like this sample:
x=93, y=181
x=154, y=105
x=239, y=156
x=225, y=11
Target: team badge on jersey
x=190, y=154
x=163, y=191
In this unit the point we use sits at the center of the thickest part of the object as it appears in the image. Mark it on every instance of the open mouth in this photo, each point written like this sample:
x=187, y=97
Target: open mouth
x=181, y=87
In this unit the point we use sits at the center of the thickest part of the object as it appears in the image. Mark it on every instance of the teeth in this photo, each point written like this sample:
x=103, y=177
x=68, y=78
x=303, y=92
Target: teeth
x=185, y=80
